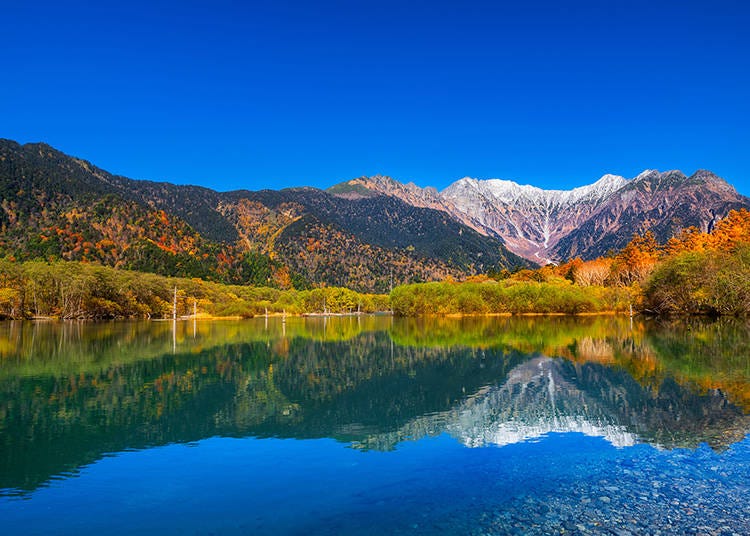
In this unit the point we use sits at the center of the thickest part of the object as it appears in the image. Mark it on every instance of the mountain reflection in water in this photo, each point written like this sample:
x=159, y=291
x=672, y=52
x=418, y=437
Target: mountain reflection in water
x=73, y=392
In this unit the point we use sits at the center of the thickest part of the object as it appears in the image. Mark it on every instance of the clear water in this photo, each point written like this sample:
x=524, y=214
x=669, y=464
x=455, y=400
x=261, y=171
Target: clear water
x=374, y=425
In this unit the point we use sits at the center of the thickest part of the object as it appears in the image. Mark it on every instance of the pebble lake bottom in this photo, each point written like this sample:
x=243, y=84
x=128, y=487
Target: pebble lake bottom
x=560, y=483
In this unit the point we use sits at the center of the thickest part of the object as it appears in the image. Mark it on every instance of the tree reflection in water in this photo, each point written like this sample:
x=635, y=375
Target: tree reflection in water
x=72, y=392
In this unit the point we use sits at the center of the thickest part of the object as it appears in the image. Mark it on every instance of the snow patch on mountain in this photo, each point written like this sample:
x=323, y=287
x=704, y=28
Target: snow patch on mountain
x=512, y=192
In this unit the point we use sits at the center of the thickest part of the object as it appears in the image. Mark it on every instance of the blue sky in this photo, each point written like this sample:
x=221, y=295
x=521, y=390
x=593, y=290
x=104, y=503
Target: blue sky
x=274, y=94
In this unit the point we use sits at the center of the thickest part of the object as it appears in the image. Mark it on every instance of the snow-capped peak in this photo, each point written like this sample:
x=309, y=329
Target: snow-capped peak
x=510, y=191
x=531, y=220
x=537, y=223
x=645, y=174
x=601, y=189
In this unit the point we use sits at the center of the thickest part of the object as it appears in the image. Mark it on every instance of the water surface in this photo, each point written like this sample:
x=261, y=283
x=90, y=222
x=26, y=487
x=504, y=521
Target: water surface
x=374, y=425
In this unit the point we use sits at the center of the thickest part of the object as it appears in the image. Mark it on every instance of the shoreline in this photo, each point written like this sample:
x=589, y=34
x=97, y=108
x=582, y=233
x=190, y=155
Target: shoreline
x=209, y=317
x=206, y=316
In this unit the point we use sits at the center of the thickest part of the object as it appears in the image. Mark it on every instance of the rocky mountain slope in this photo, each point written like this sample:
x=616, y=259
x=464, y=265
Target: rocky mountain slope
x=663, y=203
x=53, y=206
x=555, y=225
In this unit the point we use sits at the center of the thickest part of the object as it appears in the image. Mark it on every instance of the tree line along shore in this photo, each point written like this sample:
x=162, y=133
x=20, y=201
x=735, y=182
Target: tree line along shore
x=695, y=272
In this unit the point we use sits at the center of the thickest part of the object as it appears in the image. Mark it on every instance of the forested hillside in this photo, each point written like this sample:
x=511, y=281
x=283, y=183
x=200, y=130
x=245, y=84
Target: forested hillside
x=58, y=207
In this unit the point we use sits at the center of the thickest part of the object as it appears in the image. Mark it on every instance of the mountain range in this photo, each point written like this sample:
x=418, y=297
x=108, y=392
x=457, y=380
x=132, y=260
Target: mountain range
x=590, y=221
x=368, y=233
x=54, y=206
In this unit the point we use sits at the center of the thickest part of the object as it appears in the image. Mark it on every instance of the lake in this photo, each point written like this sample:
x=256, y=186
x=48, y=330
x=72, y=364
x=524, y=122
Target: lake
x=375, y=425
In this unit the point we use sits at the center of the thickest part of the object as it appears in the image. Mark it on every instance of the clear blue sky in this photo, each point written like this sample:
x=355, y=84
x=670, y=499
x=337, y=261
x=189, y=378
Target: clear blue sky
x=273, y=94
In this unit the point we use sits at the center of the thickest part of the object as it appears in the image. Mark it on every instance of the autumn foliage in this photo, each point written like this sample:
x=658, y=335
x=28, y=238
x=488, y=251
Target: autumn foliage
x=705, y=273
x=693, y=273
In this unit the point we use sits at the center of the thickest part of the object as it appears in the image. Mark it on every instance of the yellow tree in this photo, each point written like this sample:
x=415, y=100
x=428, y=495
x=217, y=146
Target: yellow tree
x=594, y=272
x=732, y=230
x=689, y=239
x=637, y=260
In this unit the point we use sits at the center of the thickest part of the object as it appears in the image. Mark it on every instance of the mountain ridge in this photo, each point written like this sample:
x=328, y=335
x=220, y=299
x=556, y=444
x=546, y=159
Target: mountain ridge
x=56, y=206
x=546, y=225
x=461, y=230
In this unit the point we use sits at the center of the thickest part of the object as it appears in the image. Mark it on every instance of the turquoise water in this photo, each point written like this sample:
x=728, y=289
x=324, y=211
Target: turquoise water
x=375, y=426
